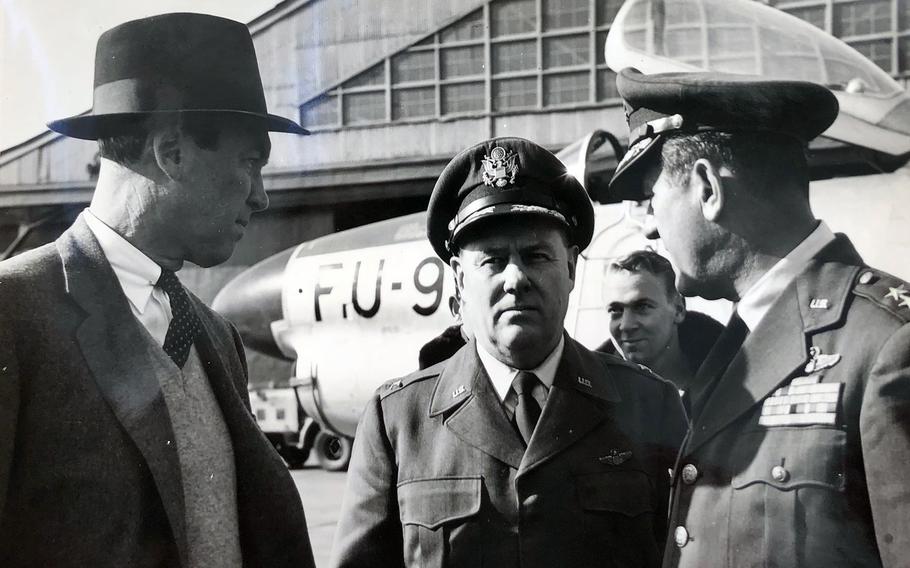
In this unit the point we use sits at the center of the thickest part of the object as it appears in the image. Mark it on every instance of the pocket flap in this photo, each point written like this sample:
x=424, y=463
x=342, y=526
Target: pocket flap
x=432, y=502
x=795, y=457
x=623, y=491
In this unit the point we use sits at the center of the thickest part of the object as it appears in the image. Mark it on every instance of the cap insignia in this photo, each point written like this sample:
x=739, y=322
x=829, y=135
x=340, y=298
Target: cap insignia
x=500, y=167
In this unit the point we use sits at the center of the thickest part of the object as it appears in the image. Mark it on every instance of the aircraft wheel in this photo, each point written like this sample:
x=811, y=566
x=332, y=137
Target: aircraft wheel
x=333, y=452
x=294, y=457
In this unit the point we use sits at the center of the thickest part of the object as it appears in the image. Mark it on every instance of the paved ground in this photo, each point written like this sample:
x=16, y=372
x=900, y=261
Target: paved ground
x=321, y=493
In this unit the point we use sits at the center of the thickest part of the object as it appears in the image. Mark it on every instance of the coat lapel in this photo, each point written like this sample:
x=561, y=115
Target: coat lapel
x=575, y=405
x=126, y=365
x=476, y=415
x=779, y=347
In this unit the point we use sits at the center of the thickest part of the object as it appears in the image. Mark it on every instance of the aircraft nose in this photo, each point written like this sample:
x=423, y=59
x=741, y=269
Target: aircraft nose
x=252, y=301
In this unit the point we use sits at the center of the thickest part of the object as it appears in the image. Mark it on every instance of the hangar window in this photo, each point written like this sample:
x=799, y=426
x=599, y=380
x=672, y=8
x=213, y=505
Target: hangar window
x=815, y=15
x=462, y=61
x=566, y=88
x=559, y=14
x=514, y=56
x=414, y=66
x=606, y=85
x=566, y=51
x=466, y=29
x=862, y=18
x=515, y=93
x=364, y=107
x=463, y=97
x=322, y=111
x=879, y=51
x=510, y=17
x=606, y=11
x=413, y=103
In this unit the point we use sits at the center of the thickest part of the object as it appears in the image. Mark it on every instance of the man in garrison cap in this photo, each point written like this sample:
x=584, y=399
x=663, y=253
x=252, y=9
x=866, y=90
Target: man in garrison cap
x=524, y=448
x=126, y=437
x=800, y=432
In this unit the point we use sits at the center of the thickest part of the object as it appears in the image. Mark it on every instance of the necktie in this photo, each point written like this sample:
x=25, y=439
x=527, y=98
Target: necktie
x=527, y=409
x=184, y=326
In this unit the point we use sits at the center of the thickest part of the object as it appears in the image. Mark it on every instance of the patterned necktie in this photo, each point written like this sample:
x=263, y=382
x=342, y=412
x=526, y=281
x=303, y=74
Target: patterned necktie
x=184, y=326
x=527, y=409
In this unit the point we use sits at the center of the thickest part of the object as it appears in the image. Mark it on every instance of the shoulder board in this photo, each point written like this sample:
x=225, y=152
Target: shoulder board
x=885, y=291
x=395, y=385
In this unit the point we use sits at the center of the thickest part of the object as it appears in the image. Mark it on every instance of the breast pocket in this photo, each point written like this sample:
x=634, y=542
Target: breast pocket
x=618, y=516
x=788, y=501
x=438, y=518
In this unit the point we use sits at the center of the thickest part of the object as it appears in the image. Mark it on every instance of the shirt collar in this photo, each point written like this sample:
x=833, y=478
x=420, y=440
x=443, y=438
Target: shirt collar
x=756, y=302
x=501, y=375
x=136, y=272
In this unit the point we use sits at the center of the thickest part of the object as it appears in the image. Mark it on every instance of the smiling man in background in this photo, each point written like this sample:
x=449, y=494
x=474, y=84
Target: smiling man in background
x=524, y=448
x=125, y=432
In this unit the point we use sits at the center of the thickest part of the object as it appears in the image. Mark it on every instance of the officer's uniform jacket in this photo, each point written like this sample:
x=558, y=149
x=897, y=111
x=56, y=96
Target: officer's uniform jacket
x=798, y=454
x=440, y=477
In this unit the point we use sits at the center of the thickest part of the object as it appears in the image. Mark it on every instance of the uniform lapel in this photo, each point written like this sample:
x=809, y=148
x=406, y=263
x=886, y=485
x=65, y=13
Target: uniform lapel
x=476, y=416
x=126, y=365
x=575, y=405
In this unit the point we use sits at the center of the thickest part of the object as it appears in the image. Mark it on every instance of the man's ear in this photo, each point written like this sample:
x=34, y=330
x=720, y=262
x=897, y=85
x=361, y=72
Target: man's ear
x=455, y=264
x=572, y=259
x=167, y=146
x=709, y=186
x=679, y=309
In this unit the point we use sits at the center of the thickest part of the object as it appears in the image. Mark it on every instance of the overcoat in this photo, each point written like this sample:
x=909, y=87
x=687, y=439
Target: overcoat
x=439, y=476
x=89, y=472
x=799, y=450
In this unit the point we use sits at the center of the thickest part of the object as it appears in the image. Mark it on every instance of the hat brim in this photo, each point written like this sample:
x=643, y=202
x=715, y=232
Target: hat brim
x=502, y=209
x=93, y=127
x=627, y=183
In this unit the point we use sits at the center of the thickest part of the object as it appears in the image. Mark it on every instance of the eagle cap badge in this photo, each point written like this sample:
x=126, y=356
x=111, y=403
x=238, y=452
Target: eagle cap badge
x=499, y=167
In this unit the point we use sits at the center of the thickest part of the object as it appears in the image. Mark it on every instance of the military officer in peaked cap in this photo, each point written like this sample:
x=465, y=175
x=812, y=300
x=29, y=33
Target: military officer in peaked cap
x=800, y=434
x=126, y=437
x=524, y=448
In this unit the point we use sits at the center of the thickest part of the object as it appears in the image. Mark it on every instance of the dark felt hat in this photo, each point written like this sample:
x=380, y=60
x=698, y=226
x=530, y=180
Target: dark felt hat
x=506, y=176
x=665, y=103
x=173, y=63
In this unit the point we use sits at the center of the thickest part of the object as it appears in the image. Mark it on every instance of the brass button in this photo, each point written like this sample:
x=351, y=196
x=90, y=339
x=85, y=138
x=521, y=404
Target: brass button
x=689, y=474
x=866, y=277
x=779, y=473
x=681, y=536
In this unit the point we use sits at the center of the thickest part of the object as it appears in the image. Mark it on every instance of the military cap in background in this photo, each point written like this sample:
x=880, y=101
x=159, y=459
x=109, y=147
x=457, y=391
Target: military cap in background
x=506, y=176
x=173, y=63
x=665, y=103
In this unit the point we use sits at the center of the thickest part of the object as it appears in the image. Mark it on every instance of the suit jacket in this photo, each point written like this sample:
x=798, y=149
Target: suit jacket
x=799, y=458
x=439, y=476
x=89, y=473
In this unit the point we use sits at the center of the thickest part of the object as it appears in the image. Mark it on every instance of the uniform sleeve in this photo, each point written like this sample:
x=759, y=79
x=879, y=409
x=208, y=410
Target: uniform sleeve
x=885, y=432
x=674, y=427
x=9, y=410
x=242, y=382
x=369, y=530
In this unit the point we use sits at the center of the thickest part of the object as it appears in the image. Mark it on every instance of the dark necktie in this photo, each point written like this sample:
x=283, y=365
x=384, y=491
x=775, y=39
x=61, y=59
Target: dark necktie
x=527, y=409
x=184, y=326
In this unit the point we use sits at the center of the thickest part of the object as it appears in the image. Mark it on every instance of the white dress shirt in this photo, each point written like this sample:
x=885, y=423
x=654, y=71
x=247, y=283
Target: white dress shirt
x=756, y=302
x=137, y=275
x=501, y=375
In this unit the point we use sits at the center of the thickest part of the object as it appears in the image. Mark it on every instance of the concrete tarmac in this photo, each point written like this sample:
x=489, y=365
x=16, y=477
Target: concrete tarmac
x=321, y=493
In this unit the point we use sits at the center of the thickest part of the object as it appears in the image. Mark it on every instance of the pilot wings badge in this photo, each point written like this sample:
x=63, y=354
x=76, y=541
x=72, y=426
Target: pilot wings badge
x=819, y=361
x=500, y=167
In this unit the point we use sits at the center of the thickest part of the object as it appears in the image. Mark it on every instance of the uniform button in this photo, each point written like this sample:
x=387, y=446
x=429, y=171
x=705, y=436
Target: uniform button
x=529, y=500
x=779, y=473
x=689, y=474
x=866, y=277
x=681, y=536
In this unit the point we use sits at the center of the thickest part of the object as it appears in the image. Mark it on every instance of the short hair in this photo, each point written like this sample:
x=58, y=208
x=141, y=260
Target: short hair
x=768, y=160
x=127, y=148
x=650, y=262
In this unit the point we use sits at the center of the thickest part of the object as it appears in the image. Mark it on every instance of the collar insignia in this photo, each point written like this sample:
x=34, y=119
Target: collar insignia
x=584, y=382
x=819, y=361
x=500, y=167
x=458, y=391
x=615, y=457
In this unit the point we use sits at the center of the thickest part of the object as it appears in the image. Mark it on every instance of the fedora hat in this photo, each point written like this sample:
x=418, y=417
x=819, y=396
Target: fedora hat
x=168, y=64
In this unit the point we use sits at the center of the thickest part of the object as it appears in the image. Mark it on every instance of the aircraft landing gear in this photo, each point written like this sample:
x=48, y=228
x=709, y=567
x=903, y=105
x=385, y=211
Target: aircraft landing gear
x=333, y=452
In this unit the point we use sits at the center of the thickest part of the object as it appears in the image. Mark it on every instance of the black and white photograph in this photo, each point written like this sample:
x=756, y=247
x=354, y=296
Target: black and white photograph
x=455, y=283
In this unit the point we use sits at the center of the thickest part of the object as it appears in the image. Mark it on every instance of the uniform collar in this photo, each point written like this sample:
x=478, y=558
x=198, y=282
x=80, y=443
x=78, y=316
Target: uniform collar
x=136, y=272
x=501, y=375
x=756, y=302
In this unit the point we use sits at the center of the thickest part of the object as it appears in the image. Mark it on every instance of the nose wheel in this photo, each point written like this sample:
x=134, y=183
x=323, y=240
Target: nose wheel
x=333, y=452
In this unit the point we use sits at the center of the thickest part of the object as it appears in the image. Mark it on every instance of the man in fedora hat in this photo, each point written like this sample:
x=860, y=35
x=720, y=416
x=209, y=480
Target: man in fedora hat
x=125, y=432
x=800, y=415
x=524, y=448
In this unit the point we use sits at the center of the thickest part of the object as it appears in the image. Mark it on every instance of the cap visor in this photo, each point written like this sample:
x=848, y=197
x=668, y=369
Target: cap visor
x=627, y=183
x=508, y=209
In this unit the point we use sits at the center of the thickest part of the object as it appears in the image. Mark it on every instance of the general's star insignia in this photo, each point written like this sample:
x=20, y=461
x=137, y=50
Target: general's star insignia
x=905, y=301
x=896, y=293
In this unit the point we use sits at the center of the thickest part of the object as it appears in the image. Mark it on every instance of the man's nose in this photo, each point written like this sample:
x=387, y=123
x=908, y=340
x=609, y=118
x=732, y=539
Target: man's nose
x=649, y=226
x=259, y=199
x=628, y=320
x=515, y=277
